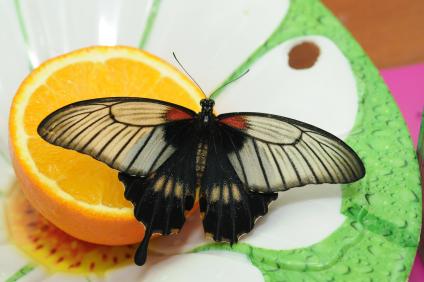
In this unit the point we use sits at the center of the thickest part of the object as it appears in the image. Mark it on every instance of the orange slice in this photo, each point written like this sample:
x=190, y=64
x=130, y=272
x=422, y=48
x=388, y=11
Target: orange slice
x=78, y=194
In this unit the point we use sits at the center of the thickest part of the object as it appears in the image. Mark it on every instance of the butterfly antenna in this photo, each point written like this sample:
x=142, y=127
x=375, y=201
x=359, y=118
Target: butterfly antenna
x=181, y=65
x=229, y=82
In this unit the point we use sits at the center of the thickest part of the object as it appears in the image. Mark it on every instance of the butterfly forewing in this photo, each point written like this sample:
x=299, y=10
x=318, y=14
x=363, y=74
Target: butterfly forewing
x=272, y=153
x=128, y=134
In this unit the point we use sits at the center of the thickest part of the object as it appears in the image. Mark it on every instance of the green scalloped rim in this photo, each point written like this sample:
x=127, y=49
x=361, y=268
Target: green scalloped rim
x=378, y=240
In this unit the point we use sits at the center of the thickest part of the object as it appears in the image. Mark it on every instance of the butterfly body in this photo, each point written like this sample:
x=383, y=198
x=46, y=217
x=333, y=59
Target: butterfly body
x=169, y=157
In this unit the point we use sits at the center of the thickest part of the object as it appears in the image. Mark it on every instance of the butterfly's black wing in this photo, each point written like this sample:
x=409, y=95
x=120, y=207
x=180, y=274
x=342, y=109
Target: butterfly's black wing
x=162, y=198
x=251, y=156
x=228, y=208
x=271, y=153
x=147, y=141
x=128, y=134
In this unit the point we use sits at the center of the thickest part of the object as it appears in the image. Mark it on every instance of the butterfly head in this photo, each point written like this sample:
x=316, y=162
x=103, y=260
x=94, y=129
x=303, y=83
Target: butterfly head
x=207, y=110
x=207, y=104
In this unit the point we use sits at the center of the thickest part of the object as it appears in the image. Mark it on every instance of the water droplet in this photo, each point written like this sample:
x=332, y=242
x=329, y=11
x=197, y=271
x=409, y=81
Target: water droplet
x=404, y=224
x=342, y=269
x=356, y=260
x=401, y=268
x=356, y=225
x=370, y=249
x=366, y=269
x=386, y=232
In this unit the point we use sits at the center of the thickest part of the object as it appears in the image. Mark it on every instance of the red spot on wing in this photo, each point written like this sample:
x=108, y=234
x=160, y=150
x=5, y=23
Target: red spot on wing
x=235, y=121
x=176, y=114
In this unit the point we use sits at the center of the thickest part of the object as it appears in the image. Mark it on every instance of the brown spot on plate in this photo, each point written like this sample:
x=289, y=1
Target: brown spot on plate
x=303, y=55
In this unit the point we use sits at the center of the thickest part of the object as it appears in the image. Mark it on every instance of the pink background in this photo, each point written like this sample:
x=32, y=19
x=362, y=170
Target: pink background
x=407, y=87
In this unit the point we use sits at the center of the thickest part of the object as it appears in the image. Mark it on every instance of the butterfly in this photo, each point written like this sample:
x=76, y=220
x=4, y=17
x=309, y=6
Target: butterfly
x=169, y=157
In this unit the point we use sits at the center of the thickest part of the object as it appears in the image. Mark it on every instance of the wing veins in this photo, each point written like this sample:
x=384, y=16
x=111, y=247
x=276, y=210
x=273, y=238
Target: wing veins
x=71, y=124
x=261, y=164
x=307, y=163
x=341, y=157
x=137, y=206
x=183, y=197
x=83, y=129
x=158, y=157
x=125, y=145
x=219, y=217
x=77, y=128
x=334, y=161
x=293, y=165
x=278, y=166
x=232, y=213
x=68, y=118
x=238, y=158
x=71, y=112
x=164, y=149
x=247, y=209
x=109, y=142
x=261, y=139
x=168, y=206
x=93, y=137
x=219, y=203
x=348, y=161
x=319, y=159
x=140, y=150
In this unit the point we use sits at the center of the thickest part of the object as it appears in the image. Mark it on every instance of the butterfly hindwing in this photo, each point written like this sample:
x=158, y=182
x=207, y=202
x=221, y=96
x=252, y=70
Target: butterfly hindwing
x=128, y=134
x=229, y=209
x=272, y=153
x=162, y=198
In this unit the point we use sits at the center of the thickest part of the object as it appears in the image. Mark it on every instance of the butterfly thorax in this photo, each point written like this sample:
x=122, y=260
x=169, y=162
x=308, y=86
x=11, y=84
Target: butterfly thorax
x=206, y=121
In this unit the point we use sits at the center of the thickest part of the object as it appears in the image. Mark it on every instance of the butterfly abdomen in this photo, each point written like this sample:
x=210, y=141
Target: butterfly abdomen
x=201, y=155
